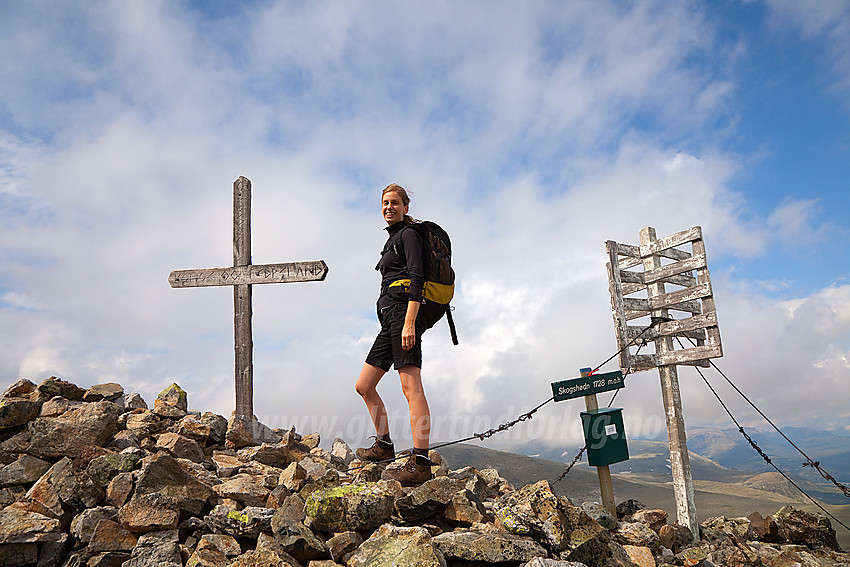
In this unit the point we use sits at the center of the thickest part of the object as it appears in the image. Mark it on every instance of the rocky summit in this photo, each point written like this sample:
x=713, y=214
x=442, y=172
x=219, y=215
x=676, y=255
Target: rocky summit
x=95, y=477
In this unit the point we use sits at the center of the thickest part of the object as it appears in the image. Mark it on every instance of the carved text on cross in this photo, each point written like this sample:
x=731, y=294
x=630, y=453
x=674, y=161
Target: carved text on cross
x=242, y=276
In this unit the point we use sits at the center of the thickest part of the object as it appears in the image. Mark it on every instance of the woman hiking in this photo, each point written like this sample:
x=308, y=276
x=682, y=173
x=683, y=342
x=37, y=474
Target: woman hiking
x=403, y=317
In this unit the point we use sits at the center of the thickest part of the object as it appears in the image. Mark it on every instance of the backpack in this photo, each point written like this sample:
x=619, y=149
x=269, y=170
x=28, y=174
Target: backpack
x=437, y=263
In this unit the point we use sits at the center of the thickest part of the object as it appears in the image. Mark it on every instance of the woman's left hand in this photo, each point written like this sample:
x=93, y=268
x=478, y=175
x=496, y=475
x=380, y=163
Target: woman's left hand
x=408, y=336
x=408, y=332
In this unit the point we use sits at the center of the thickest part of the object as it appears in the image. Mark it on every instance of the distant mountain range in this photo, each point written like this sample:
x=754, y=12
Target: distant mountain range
x=718, y=490
x=724, y=455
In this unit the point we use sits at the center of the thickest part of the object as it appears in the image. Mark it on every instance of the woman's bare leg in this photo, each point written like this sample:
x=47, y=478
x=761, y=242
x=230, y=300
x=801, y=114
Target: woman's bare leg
x=366, y=386
x=420, y=414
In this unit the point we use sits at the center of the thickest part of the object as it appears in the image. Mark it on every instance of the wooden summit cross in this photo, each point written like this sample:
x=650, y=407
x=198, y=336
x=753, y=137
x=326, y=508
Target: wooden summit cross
x=242, y=276
x=660, y=262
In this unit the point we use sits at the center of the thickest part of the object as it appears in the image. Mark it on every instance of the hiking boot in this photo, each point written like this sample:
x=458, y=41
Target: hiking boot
x=414, y=471
x=379, y=451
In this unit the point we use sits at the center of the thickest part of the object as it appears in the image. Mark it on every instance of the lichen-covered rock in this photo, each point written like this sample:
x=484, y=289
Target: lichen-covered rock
x=106, y=467
x=391, y=546
x=489, y=547
x=175, y=396
x=537, y=511
x=70, y=433
x=246, y=523
x=354, y=507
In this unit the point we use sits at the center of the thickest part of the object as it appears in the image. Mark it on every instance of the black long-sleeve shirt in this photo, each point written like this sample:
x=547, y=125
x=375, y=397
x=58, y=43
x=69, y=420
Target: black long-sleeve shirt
x=401, y=259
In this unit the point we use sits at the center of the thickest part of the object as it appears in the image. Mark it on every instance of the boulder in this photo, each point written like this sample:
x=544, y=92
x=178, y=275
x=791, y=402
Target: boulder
x=813, y=530
x=601, y=515
x=272, y=454
x=341, y=451
x=226, y=465
x=143, y=423
x=18, y=411
x=217, y=425
x=243, y=488
x=353, y=507
x=343, y=544
x=165, y=554
x=489, y=547
x=175, y=396
x=64, y=484
x=224, y=543
x=653, y=518
x=70, y=433
x=636, y=534
x=194, y=429
x=428, y=499
x=675, y=536
x=243, y=432
x=465, y=509
x=181, y=447
x=109, y=391
x=149, y=512
x=84, y=523
x=164, y=474
x=104, y=468
x=25, y=470
x=247, y=523
x=134, y=401
x=24, y=388
x=109, y=535
x=391, y=546
x=56, y=387
x=537, y=511
x=23, y=526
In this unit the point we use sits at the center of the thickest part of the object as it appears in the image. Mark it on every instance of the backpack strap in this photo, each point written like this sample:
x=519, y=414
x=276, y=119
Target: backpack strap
x=451, y=324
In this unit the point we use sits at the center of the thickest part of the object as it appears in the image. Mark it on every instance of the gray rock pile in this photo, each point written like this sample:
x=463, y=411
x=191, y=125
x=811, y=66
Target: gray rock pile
x=96, y=478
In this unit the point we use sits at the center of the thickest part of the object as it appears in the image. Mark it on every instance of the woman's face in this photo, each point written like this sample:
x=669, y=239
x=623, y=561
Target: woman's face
x=392, y=207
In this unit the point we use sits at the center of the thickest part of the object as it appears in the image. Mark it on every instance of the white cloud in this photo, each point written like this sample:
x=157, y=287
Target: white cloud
x=513, y=127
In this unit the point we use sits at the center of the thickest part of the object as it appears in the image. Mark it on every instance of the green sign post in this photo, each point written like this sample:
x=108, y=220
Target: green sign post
x=587, y=385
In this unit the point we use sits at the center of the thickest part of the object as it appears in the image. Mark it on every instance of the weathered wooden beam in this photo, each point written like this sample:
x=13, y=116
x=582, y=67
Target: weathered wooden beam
x=242, y=300
x=681, y=267
x=288, y=272
x=662, y=245
x=683, y=487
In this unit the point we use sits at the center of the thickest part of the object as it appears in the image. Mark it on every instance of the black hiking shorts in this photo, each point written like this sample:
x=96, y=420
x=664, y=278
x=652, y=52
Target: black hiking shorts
x=386, y=351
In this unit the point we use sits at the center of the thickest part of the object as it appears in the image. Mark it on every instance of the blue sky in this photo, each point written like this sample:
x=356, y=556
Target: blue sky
x=533, y=132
